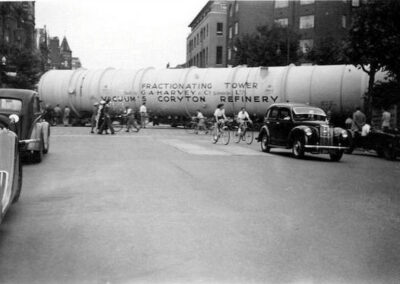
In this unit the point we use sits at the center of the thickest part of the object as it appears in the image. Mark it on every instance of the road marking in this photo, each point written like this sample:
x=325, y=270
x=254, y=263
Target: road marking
x=193, y=148
x=211, y=149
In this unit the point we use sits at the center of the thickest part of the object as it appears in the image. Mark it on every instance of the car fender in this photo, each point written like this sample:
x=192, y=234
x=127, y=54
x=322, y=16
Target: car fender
x=264, y=129
x=36, y=136
x=46, y=133
x=8, y=152
x=298, y=131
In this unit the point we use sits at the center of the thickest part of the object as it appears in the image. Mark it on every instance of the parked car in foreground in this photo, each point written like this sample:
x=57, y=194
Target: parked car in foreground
x=302, y=128
x=31, y=128
x=10, y=168
x=385, y=144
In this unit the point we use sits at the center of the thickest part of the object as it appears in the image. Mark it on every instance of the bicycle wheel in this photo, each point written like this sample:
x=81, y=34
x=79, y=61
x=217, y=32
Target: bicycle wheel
x=249, y=136
x=117, y=125
x=214, y=135
x=225, y=134
x=236, y=135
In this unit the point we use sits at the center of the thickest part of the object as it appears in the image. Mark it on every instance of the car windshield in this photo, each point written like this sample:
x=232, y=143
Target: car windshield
x=308, y=114
x=10, y=105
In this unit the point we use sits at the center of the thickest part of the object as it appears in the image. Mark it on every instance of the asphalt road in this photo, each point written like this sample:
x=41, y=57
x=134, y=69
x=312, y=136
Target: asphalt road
x=165, y=206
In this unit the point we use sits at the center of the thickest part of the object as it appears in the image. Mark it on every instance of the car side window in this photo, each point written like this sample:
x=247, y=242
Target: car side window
x=284, y=114
x=273, y=113
x=36, y=105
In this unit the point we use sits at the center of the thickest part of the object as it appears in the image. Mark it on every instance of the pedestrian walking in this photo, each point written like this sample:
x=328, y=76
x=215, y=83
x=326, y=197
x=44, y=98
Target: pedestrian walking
x=66, y=116
x=143, y=115
x=385, y=120
x=106, y=119
x=94, y=117
x=358, y=120
x=131, y=120
x=57, y=114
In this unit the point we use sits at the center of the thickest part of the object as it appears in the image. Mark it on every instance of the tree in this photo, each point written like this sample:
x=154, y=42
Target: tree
x=274, y=46
x=327, y=51
x=374, y=41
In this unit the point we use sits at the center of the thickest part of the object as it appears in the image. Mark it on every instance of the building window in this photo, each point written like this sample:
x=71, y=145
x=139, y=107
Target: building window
x=230, y=10
x=206, y=56
x=307, y=22
x=230, y=32
x=306, y=45
x=229, y=54
x=207, y=30
x=343, y=21
x=282, y=22
x=281, y=3
x=236, y=28
x=306, y=2
x=220, y=28
x=219, y=55
x=355, y=3
x=237, y=7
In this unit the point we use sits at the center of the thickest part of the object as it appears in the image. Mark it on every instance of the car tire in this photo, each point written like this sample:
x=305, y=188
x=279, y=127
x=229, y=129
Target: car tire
x=298, y=149
x=336, y=156
x=264, y=143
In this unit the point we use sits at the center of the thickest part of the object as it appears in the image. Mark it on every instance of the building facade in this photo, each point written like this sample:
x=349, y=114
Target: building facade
x=313, y=20
x=17, y=26
x=206, y=43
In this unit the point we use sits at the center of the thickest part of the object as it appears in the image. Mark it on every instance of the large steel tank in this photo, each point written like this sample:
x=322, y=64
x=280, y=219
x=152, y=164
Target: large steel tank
x=337, y=88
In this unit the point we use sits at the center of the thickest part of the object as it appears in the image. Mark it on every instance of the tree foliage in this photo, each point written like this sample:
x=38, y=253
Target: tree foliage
x=274, y=46
x=23, y=67
x=374, y=37
x=374, y=41
x=327, y=51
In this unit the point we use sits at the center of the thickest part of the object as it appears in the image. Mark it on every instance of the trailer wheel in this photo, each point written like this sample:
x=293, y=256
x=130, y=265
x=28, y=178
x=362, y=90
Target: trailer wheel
x=37, y=156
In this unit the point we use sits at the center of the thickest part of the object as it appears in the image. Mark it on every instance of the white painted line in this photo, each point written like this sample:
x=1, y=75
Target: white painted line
x=194, y=149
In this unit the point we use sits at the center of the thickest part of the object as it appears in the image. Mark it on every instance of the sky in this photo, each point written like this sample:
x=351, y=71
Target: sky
x=121, y=34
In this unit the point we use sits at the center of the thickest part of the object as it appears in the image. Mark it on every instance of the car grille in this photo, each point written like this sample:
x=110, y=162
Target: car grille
x=326, y=135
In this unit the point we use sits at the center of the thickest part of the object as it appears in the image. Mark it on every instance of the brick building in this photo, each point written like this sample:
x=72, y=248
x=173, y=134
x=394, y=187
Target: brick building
x=313, y=20
x=206, y=43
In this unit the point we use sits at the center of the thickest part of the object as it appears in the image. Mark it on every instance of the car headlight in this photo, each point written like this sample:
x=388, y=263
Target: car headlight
x=308, y=131
x=344, y=134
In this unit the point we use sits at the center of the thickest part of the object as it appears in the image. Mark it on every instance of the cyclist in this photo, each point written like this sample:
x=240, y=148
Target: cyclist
x=219, y=115
x=242, y=117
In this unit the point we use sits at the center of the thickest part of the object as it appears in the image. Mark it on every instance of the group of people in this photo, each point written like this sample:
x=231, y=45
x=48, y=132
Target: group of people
x=358, y=122
x=57, y=115
x=101, y=118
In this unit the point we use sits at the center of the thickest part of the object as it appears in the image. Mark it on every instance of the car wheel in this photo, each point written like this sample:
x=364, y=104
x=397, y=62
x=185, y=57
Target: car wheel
x=389, y=152
x=264, y=143
x=336, y=156
x=298, y=149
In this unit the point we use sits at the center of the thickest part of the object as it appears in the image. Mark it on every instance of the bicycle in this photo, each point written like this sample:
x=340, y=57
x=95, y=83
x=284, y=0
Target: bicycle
x=193, y=126
x=220, y=131
x=120, y=122
x=243, y=133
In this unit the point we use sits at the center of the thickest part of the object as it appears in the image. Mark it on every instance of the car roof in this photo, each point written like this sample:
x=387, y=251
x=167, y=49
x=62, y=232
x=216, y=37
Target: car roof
x=290, y=105
x=21, y=94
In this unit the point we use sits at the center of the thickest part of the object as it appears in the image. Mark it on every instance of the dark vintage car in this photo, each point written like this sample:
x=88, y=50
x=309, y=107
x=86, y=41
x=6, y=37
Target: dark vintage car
x=10, y=168
x=31, y=129
x=302, y=128
x=385, y=144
